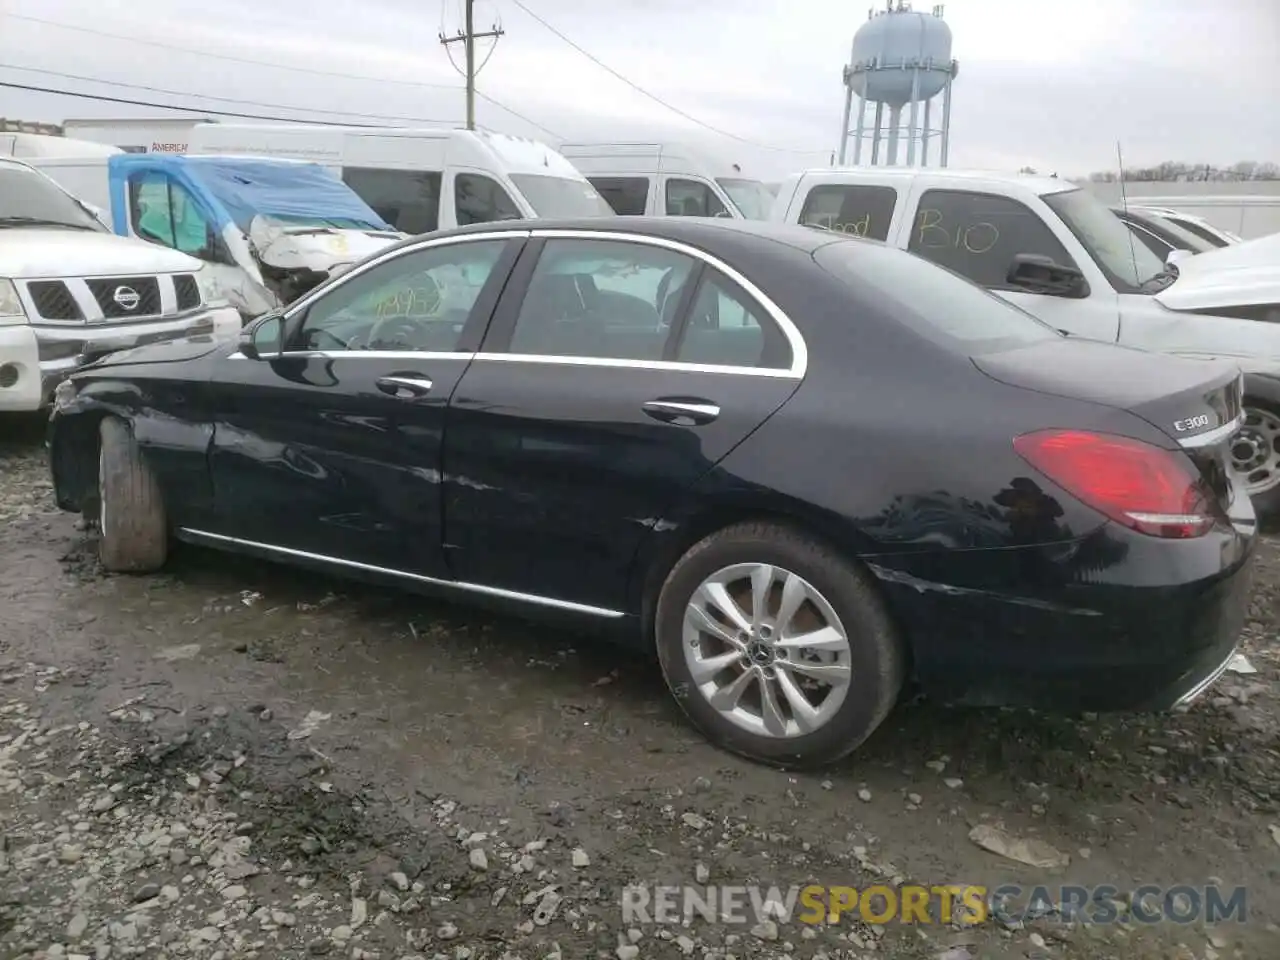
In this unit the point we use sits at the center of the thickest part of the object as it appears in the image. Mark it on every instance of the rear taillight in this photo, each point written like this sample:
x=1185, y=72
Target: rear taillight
x=1153, y=491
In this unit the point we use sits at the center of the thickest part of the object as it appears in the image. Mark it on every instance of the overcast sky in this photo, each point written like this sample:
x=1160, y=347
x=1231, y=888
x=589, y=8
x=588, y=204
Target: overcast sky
x=1052, y=85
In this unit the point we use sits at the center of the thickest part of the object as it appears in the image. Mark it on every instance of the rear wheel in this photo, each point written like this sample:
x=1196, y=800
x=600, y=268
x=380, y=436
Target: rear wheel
x=1255, y=456
x=134, y=532
x=776, y=647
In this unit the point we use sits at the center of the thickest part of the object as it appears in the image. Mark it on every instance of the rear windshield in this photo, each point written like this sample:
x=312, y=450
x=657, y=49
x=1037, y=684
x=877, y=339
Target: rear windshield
x=931, y=300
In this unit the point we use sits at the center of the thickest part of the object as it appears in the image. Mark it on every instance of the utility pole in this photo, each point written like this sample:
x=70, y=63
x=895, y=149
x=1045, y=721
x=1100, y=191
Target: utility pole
x=468, y=37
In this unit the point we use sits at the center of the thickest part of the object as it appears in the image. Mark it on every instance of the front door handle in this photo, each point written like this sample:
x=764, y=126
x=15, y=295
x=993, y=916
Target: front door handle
x=682, y=411
x=405, y=387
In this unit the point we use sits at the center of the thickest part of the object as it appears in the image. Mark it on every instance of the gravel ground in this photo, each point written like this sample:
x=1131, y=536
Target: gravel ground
x=239, y=760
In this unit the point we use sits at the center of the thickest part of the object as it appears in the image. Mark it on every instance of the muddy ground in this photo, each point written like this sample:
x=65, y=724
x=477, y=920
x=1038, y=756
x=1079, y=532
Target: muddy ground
x=240, y=760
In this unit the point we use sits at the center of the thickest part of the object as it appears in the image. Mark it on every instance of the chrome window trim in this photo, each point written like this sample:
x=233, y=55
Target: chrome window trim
x=674, y=366
x=364, y=355
x=799, y=350
x=499, y=592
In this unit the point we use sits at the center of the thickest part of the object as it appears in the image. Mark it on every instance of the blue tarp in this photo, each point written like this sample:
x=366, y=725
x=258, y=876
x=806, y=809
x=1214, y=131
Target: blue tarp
x=289, y=191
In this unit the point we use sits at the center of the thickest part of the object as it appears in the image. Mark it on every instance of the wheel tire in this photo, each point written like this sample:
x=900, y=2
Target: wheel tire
x=1266, y=505
x=131, y=518
x=877, y=657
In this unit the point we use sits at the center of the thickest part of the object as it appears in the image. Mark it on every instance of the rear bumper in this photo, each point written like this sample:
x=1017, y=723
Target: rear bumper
x=34, y=359
x=1141, y=624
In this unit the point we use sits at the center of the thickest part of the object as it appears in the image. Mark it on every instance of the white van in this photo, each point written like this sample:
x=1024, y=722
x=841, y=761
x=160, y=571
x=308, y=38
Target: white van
x=424, y=179
x=668, y=180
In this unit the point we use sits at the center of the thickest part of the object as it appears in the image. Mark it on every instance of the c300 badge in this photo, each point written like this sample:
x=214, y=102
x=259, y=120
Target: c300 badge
x=1191, y=423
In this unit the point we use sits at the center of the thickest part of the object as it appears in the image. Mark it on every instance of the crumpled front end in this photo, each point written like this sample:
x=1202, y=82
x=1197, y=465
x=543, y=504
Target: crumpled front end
x=294, y=260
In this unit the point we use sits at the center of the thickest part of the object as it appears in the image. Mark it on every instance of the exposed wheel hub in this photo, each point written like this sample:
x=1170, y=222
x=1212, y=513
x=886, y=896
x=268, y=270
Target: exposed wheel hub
x=1255, y=451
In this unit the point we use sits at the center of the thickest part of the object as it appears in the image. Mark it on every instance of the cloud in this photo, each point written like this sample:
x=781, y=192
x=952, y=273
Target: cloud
x=1053, y=85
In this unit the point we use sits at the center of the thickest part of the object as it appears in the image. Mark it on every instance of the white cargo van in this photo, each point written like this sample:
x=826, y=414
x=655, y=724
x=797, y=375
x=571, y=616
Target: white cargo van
x=1060, y=253
x=668, y=180
x=424, y=179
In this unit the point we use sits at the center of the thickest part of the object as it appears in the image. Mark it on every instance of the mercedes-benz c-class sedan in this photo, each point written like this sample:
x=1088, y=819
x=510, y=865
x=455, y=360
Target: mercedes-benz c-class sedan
x=804, y=470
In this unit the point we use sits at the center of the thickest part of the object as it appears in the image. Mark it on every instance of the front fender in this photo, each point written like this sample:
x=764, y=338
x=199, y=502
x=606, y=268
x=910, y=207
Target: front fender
x=175, y=447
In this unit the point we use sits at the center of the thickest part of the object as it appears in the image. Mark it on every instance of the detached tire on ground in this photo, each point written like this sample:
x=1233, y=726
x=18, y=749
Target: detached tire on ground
x=776, y=647
x=134, y=531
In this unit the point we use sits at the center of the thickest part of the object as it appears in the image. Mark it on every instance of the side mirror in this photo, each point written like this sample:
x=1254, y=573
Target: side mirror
x=1039, y=274
x=263, y=338
x=1177, y=256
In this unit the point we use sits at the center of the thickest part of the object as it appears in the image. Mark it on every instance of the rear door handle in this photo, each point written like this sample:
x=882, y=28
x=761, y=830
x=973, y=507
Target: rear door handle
x=405, y=387
x=682, y=411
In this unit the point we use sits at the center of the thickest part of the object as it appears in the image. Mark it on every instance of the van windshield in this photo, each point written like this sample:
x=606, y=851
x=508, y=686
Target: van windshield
x=1126, y=261
x=561, y=197
x=30, y=199
x=752, y=198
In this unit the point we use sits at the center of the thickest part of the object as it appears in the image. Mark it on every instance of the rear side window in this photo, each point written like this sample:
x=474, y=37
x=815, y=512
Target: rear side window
x=409, y=200
x=725, y=327
x=863, y=211
x=978, y=234
x=480, y=199
x=933, y=301
x=628, y=196
x=689, y=198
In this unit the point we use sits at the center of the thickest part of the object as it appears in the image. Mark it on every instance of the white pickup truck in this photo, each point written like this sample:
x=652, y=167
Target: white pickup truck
x=70, y=290
x=1061, y=254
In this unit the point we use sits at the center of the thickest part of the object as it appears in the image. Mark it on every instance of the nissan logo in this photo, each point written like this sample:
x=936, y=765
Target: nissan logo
x=127, y=297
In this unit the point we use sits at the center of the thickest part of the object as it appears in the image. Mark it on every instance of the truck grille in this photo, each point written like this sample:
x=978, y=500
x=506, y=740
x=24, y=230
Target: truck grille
x=126, y=297
x=185, y=289
x=53, y=301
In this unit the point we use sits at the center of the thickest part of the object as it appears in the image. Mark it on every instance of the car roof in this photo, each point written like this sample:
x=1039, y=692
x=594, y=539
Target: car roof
x=697, y=231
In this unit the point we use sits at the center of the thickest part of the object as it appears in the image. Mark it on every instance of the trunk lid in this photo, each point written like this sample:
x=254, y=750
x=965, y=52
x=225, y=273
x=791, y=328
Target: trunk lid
x=1197, y=404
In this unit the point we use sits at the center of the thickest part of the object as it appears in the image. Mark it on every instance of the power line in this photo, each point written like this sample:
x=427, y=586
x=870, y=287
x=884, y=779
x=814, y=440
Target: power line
x=102, y=98
x=654, y=97
x=208, y=96
x=365, y=78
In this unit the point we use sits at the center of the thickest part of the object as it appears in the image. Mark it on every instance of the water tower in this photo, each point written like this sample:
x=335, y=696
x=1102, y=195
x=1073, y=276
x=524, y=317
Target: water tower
x=900, y=57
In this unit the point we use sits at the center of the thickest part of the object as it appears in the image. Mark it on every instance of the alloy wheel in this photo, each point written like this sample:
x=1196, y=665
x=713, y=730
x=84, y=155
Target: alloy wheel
x=767, y=650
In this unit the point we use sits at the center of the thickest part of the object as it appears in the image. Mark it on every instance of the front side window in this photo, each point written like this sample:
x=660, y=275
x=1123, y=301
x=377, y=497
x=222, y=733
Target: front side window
x=752, y=198
x=601, y=298
x=420, y=301
x=860, y=211
x=164, y=212
x=726, y=328
x=481, y=199
x=561, y=197
x=628, y=196
x=690, y=198
x=977, y=235
x=1106, y=239
x=409, y=200
x=937, y=304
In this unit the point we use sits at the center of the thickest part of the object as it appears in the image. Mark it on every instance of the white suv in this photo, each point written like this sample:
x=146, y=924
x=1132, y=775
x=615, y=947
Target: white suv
x=71, y=290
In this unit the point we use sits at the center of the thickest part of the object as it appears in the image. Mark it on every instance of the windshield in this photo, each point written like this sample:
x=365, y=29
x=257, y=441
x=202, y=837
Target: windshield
x=561, y=197
x=1126, y=261
x=32, y=199
x=752, y=198
x=934, y=302
x=1175, y=233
